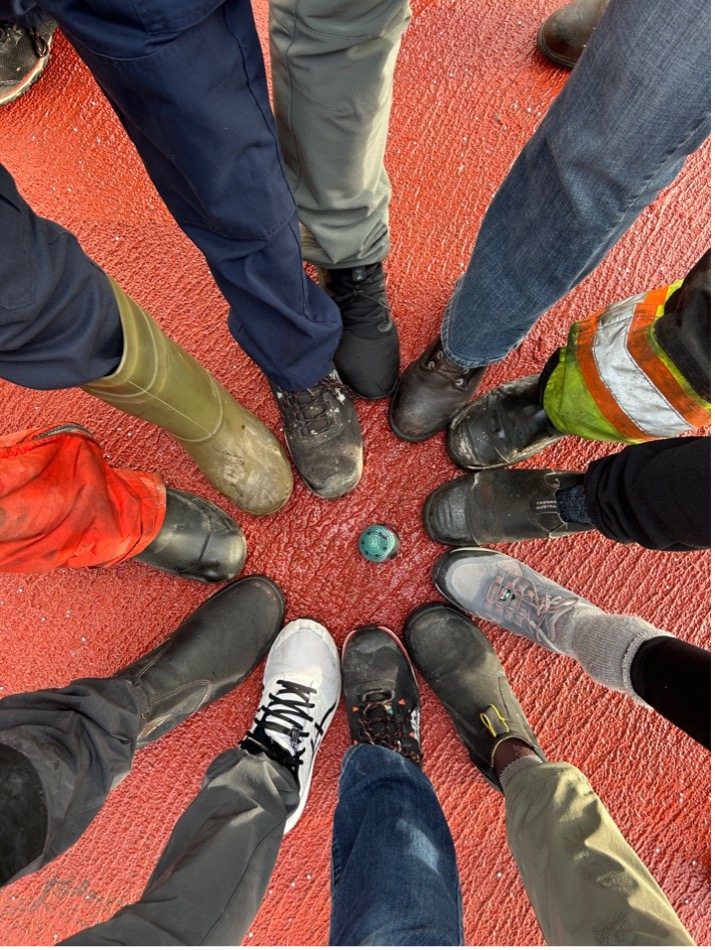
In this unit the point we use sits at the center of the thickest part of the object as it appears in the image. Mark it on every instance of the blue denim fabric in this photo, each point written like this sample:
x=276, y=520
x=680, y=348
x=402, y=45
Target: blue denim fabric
x=394, y=873
x=187, y=81
x=636, y=104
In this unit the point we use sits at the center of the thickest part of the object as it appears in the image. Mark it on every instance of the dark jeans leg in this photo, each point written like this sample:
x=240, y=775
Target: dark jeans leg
x=394, y=879
x=656, y=494
x=674, y=677
x=211, y=878
x=61, y=752
x=59, y=322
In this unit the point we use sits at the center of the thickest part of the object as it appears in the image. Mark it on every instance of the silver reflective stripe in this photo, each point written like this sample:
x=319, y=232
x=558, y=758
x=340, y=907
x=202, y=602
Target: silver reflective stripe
x=641, y=401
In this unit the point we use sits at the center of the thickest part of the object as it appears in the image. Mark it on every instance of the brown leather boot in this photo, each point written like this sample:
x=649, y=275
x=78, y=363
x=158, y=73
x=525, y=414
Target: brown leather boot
x=563, y=37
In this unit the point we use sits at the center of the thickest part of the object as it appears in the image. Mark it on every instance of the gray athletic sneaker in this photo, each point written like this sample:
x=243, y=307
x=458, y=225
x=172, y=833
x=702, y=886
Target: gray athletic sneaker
x=301, y=689
x=496, y=587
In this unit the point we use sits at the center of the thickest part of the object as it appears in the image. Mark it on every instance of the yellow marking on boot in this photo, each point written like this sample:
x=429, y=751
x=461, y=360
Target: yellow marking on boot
x=487, y=724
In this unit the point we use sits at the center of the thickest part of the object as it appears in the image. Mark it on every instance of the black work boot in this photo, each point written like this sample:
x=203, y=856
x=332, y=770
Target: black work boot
x=502, y=427
x=323, y=435
x=500, y=506
x=564, y=35
x=368, y=356
x=197, y=541
x=460, y=665
x=381, y=695
x=24, y=53
x=209, y=654
x=430, y=392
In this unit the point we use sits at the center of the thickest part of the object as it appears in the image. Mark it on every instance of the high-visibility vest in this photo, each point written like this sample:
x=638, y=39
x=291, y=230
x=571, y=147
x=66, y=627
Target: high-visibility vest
x=616, y=381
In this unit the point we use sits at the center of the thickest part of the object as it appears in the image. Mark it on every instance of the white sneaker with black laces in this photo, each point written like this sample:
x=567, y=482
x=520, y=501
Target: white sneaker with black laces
x=301, y=689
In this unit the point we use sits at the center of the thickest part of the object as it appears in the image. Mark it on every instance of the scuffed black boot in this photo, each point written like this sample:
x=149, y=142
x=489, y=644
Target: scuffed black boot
x=502, y=427
x=368, y=355
x=213, y=650
x=197, y=541
x=24, y=53
x=430, y=392
x=496, y=507
x=564, y=35
x=323, y=435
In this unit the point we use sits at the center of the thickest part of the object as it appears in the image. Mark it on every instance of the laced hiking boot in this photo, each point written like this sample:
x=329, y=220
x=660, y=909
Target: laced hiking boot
x=209, y=654
x=496, y=507
x=498, y=588
x=323, y=435
x=460, y=665
x=381, y=695
x=502, y=427
x=368, y=355
x=564, y=35
x=24, y=53
x=197, y=541
x=301, y=690
x=430, y=392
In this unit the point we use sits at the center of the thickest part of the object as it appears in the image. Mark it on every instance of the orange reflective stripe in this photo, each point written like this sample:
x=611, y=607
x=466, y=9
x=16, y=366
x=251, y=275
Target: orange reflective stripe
x=655, y=369
x=607, y=405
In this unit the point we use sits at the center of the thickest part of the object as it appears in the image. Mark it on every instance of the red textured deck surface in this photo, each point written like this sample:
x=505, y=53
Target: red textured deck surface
x=470, y=89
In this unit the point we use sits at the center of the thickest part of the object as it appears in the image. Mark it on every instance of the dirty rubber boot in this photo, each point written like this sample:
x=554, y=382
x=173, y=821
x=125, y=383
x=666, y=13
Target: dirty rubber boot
x=430, y=392
x=564, y=35
x=323, y=435
x=495, y=507
x=460, y=665
x=159, y=381
x=209, y=654
x=197, y=541
x=368, y=355
x=502, y=427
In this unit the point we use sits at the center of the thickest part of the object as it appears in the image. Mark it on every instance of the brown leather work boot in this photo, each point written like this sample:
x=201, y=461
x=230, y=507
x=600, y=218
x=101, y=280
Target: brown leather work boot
x=563, y=37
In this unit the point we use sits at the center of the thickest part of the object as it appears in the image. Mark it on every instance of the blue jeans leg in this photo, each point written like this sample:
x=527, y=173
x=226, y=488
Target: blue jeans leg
x=394, y=874
x=637, y=103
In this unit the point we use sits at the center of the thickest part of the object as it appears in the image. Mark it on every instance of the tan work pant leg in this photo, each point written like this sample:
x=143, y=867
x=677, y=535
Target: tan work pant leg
x=586, y=884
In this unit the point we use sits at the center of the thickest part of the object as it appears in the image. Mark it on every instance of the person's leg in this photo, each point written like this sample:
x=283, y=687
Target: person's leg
x=585, y=882
x=587, y=886
x=656, y=494
x=65, y=749
x=388, y=807
x=619, y=651
x=213, y=873
x=636, y=104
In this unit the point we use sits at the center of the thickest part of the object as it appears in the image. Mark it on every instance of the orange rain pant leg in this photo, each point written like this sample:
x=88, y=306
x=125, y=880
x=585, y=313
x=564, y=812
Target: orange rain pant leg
x=62, y=505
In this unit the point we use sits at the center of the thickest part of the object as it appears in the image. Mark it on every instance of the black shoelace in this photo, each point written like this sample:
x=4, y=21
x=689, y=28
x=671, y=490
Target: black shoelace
x=363, y=296
x=287, y=711
x=386, y=723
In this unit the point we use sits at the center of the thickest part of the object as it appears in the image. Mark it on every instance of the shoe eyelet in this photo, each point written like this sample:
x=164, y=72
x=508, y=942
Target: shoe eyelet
x=430, y=365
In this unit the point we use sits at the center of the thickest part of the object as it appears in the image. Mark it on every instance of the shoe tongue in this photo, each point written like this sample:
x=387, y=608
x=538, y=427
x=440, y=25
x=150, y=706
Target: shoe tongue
x=378, y=696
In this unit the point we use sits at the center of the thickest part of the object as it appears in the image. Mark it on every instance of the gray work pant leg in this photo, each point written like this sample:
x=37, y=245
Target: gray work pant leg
x=333, y=63
x=211, y=878
x=61, y=753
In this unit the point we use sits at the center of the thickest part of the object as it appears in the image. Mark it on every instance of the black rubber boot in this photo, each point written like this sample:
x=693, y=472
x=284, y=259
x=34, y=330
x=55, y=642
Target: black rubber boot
x=368, y=355
x=460, y=665
x=213, y=650
x=197, y=540
x=323, y=435
x=500, y=506
x=430, y=392
x=501, y=427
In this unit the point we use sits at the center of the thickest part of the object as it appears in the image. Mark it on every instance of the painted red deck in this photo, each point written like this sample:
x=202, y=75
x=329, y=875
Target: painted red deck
x=470, y=89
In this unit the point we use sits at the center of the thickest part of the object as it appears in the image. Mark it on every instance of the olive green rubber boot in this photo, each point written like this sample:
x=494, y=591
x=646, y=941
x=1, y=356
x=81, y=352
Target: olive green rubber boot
x=157, y=380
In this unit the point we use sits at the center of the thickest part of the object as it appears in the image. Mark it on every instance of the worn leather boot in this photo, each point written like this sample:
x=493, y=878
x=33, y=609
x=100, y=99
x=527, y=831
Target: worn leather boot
x=500, y=506
x=502, y=427
x=197, y=540
x=159, y=381
x=564, y=35
x=208, y=655
x=430, y=392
